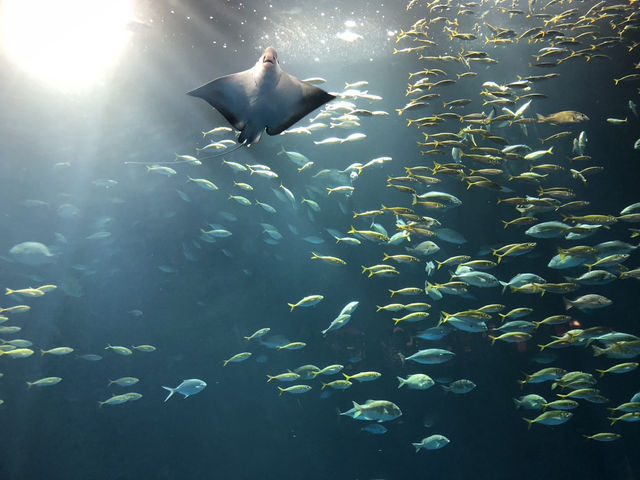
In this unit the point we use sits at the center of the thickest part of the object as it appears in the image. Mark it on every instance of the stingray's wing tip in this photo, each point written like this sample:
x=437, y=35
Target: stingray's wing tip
x=195, y=93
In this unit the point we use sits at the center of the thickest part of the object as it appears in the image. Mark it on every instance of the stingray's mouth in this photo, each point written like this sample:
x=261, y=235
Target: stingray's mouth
x=268, y=60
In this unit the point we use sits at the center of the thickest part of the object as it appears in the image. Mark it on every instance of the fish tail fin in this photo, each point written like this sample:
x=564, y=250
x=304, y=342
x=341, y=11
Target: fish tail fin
x=506, y=224
x=417, y=446
x=42, y=352
x=30, y=384
x=281, y=390
x=324, y=385
x=601, y=372
x=358, y=410
x=529, y=422
x=568, y=304
x=292, y=306
x=516, y=402
x=493, y=339
x=171, y=392
x=540, y=118
x=346, y=377
x=504, y=285
x=401, y=382
x=110, y=382
x=270, y=377
x=597, y=351
x=402, y=358
x=386, y=257
x=613, y=420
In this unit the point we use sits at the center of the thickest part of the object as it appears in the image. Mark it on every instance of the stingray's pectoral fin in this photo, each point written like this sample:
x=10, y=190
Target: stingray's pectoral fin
x=228, y=95
x=297, y=99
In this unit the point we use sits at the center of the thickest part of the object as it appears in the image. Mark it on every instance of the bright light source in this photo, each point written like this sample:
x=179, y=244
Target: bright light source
x=65, y=43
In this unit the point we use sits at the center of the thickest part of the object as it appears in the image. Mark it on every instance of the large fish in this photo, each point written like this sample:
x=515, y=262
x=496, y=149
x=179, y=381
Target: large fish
x=262, y=97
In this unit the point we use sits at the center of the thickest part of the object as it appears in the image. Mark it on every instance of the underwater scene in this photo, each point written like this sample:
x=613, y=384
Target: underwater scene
x=320, y=239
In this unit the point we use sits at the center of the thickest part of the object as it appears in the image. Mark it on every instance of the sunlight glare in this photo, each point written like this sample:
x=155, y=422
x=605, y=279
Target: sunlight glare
x=68, y=44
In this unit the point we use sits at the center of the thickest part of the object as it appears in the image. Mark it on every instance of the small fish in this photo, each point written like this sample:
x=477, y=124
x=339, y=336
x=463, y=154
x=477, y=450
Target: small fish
x=116, y=400
x=145, y=348
x=417, y=381
x=295, y=389
x=363, y=376
x=587, y=302
x=564, y=117
x=617, y=121
x=90, y=357
x=203, y=183
x=119, y=349
x=553, y=417
x=284, y=377
x=292, y=346
x=308, y=301
x=18, y=353
x=459, y=386
x=337, y=384
x=166, y=171
x=124, y=381
x=375, y=429
x=237, y=358
x=431, y=356
x=258, y=334
x=44, y=382
x=433, y=442
x=186, y=388
x=240, y=199
x=57, y=351
x=603, y=437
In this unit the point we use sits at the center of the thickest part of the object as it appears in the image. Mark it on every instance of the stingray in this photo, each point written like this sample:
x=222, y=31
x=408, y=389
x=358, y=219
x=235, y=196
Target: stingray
x=262, y=97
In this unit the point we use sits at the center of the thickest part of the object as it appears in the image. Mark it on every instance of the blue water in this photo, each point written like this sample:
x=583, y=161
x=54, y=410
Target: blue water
x=199, y=299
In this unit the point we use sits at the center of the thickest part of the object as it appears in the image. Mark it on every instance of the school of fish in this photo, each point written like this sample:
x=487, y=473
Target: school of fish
x=506, y=146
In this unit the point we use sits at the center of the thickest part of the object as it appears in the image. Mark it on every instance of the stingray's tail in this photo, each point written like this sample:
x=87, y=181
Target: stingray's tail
x=226, y=152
